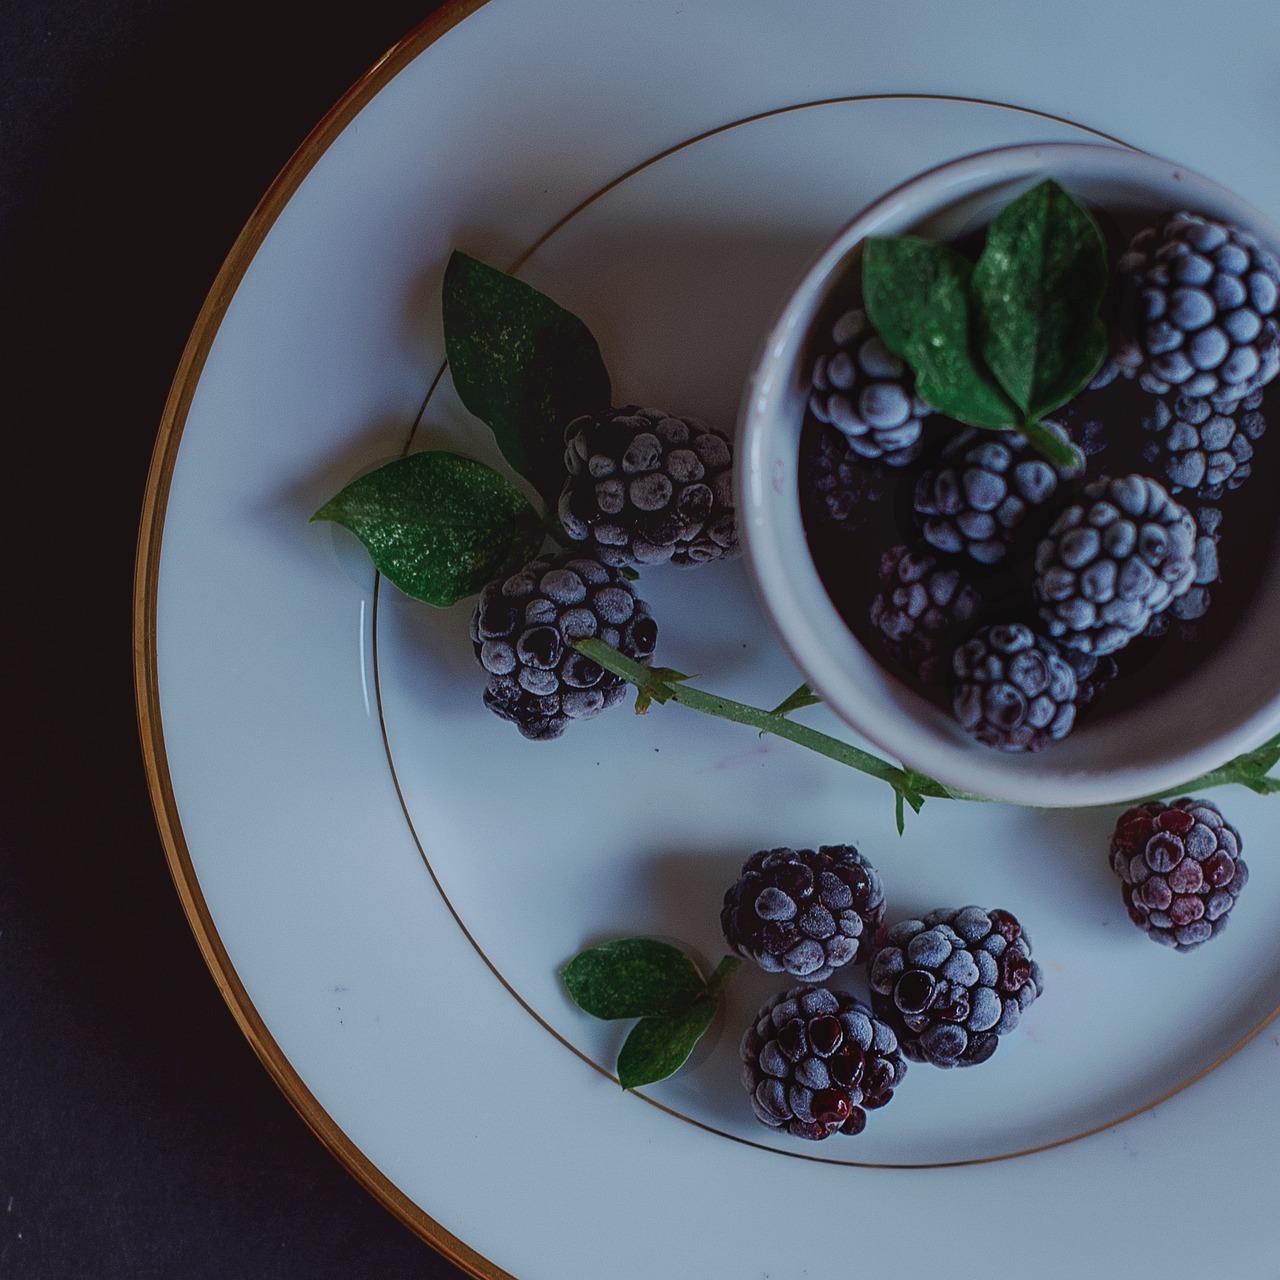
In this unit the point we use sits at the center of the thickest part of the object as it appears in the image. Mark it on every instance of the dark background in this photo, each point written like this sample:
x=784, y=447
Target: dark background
x=139, y=1136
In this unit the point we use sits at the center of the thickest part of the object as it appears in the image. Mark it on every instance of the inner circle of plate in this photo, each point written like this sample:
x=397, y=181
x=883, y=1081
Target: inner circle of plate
x=636, y=826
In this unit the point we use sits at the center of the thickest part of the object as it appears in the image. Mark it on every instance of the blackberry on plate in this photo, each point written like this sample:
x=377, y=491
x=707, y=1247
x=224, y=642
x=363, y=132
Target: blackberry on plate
x=1181, y=870
x=953, y=983
x=921, y=609
x=1112, y=561
x=1201, y=449
x=816, y=1061
x=803, y=911
x=861, y=388
x=645, y=487
x=1206, y=296
x=975, y=506
x=1013, y=690
x=523, y=631
x=837, y=484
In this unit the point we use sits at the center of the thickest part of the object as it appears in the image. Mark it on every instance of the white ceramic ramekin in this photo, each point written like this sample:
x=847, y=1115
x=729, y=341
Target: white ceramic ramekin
x=1230, y=704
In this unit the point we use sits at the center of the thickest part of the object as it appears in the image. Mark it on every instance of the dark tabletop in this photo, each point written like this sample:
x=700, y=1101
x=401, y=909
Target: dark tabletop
x=139, y=1136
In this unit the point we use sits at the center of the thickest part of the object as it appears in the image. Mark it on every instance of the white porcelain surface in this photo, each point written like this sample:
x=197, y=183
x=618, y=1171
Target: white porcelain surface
x=332, y=920
x=1141, y=752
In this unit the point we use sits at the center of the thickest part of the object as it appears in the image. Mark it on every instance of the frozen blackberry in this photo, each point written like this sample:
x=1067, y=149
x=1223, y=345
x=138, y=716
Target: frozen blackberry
x=645, y=487
x=1205, y=310
x=976, y=505
x=1112, y=561
x=816, y=1061
x=953, y=983
x=803, y=911
x=1181, y=869
x=524, y=628
x=921, y=610
x=1013, y=690
x=1203, y=450
x=837, y=484
x=861, y=388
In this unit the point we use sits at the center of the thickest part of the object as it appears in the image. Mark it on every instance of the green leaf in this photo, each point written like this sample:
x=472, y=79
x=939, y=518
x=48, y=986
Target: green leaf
x=659, y=1047
x=796, y=701
x=438, y=525
x=632, y=978
x=917, y=299
x=522, y=364
x=1037, y=289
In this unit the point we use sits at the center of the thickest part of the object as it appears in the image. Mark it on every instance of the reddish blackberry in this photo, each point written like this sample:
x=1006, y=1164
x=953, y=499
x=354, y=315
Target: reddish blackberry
x=523, y=631
x=838, y=486
x=1203, y=450
x=816, y=1061
x=975, y=506
x=953, y=983
x=1112, y=561
x=1013, y=690
x=862, y=389
x=1206, y=297
x=645, y=487
x=804, y=911
x=921, y=610
x=1181, y=869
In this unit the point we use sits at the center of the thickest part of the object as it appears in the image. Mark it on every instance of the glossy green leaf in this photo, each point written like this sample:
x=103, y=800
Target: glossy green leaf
x=1037, y=289
x=917, y=299
x=522, y=364
x=659, y=1047
x=438, y=525
x=632, y=978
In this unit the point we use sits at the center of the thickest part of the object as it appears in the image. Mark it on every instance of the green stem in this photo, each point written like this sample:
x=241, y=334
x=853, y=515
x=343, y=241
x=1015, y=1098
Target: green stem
x=661, y=684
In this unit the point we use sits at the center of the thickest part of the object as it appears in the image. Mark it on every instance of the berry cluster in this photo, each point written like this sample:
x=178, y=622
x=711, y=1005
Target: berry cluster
x=944, y=987
x=1021, y=584
x=815, y=1061
x=643, y=487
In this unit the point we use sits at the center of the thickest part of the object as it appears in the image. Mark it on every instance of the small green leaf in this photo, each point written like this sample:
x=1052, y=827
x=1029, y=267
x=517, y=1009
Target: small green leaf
x=917, y=299
x=632, y=978
x=659, y=1047
x=522, y=364
x=1036, y=290
x=796, y=701
x=438, y=525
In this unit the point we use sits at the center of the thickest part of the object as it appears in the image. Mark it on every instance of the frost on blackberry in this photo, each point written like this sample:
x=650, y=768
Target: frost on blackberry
x=1180, y=868
x=1013, y=690
x=1112, y=561
x=921, y=610
x=645, y=487
x=838, y=486
x=863, y=390
x=816, y=1061
x=523, y=631
x=952, y=983
x=1205, y=298
x=976, y=505
x=1201, y=449
x=803, y=911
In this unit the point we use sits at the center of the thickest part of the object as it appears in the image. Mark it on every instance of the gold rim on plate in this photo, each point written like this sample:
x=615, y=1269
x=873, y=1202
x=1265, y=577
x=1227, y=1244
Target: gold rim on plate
x=146, y=679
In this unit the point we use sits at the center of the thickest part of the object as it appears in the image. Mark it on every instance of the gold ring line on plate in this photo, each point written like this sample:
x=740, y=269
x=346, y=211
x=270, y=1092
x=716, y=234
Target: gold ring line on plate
x=493, y=968
x=145, y=595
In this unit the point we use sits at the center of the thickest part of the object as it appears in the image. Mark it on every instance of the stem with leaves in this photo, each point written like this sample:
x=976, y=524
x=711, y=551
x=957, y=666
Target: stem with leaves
x=663, y=684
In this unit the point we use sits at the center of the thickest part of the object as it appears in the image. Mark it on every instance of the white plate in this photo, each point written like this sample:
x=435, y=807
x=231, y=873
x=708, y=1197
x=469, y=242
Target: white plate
x=333, y=937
